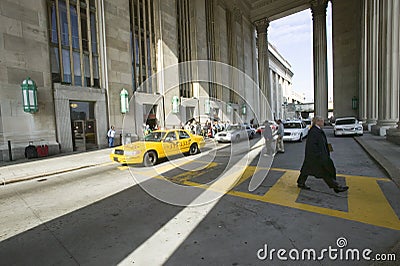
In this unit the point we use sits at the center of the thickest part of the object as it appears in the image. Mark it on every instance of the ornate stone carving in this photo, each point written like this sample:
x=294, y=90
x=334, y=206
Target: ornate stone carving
x=237, y=14
x=262, y=25
x=318, y=7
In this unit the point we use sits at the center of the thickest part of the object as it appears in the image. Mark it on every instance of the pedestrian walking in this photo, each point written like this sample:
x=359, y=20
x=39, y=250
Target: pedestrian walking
x=111, y=136
x=317, y=161
x=281, y=132
x=267, y=134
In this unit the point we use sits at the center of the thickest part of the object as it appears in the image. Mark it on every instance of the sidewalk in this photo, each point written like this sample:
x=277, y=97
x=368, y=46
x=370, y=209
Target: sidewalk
x=22, y=170
x=26, y=170
x=385, y=153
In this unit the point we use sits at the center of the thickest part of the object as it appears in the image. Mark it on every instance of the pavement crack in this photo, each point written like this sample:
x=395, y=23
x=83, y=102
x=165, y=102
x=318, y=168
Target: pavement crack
x=246, y=208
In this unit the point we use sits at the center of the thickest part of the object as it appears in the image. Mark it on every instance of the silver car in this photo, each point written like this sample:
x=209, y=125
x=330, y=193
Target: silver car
x=235, y=133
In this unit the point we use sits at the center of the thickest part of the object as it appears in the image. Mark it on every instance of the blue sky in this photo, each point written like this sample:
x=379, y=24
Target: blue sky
x=292, y=36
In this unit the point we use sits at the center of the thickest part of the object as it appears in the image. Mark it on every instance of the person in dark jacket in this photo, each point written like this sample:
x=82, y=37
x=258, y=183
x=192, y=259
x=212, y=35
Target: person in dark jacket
x=317, y=161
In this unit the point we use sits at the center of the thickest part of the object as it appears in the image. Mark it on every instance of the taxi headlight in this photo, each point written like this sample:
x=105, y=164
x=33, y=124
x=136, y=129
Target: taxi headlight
x=131, y=153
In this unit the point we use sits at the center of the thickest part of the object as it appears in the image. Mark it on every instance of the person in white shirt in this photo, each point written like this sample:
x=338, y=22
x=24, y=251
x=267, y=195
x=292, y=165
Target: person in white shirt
x=111, y=136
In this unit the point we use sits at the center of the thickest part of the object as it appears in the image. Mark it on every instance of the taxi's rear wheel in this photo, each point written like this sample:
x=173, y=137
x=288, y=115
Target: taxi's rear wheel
x=194, y=149
x=150, y=158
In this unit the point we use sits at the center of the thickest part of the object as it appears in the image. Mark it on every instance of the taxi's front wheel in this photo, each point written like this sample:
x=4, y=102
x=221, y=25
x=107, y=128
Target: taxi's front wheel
x=150, y=158
x=194, y=149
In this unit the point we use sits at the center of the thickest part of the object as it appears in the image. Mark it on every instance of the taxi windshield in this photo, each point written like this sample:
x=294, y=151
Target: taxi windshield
x=154, y=136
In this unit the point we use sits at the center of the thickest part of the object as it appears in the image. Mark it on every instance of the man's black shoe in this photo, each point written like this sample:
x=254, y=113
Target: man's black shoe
x=303, y=186
x=341, y=189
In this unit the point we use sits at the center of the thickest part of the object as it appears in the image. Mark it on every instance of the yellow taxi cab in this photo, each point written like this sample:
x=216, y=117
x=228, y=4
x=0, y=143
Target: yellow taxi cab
x=158, y=144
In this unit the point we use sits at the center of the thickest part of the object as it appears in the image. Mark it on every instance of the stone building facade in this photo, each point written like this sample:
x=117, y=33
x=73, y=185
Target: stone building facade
x=82, y=53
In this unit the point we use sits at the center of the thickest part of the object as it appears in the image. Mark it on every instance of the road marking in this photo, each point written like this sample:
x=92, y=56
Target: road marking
x=366, y=201
x=199, y=171
x=174, y=233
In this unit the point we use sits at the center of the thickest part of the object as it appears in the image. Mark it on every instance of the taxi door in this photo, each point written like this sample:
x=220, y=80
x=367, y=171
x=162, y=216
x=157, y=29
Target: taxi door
x=184, y=141
x=170, y=144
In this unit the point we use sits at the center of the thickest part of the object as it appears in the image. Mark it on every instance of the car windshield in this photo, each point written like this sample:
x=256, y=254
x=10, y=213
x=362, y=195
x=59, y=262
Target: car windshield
x=345, y=122
x=233, y=128
x=154, y=136
x=292, y=125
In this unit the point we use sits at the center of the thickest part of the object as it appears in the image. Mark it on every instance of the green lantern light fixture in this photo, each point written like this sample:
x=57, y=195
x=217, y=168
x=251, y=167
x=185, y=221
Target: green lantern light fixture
x=229, y=108
x=29, y=96
x=175, y=104
x=244, y=109
x=124, y=101
x=354, y=103
x=207, y=106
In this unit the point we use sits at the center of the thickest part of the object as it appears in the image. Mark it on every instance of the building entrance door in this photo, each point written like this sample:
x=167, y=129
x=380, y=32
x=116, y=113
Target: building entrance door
x=84, y=135
x=83, y=126
x=78, y=135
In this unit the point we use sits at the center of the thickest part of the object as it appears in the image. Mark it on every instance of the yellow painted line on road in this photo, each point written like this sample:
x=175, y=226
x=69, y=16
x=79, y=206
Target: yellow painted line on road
x=185, y=176
x=341, y=175
x=366, y=201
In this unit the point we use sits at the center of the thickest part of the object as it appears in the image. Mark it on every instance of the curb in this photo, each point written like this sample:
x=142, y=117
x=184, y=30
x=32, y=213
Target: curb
x=391, y=170
x=35, y=176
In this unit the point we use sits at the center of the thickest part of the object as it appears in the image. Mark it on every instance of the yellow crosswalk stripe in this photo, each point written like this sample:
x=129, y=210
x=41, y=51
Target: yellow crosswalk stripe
x=366, y=200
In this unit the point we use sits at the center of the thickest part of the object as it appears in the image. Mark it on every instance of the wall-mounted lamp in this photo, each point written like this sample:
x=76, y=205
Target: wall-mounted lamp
x=354, y=103
x=207, y=106
x=229, y=108
x=175, y=104
x=244, y=109
x=29, y=96
x=124, y=101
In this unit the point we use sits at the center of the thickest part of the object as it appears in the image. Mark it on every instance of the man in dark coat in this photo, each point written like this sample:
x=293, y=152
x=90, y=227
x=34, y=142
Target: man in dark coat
x=317, y=161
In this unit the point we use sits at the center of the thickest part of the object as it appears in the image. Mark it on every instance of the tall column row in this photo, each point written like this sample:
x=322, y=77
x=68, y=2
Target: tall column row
x=388, y=76
x=318, y=9
x=372, y=23
x=263, y=63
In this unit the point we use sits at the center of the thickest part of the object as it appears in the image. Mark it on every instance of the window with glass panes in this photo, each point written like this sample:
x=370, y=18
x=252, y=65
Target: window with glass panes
x=142, y=42
x=184, y=47
x=74, y=52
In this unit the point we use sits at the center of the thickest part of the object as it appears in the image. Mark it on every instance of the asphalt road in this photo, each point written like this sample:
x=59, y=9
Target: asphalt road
x=101, y=216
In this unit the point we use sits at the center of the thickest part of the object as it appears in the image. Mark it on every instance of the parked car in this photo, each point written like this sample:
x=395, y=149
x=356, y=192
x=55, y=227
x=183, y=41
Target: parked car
x=308, y=122
x=158, y=144
x=235, y=133
x=295, y=130
x=347, y=126
x=273, y=125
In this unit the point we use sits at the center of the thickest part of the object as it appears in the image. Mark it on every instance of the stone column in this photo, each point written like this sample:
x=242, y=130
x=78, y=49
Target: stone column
x=371, y=61
x=263, y=63
x=362, y=113
x=318, y=9
x=389, y=66
x=392, y=12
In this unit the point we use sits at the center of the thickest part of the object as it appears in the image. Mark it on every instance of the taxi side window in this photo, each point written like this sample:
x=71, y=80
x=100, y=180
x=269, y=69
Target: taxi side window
x=171, y=136
x=183, y=135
